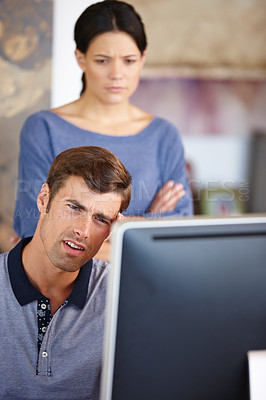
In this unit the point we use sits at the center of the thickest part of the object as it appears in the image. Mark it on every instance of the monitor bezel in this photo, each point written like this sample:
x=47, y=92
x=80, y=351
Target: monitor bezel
x=113, y=284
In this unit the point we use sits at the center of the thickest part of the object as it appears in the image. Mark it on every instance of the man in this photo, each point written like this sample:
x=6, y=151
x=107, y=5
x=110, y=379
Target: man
x=52, y=297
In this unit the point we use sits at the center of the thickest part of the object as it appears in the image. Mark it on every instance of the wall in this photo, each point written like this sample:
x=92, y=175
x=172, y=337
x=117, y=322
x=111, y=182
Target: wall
x=25, y=71
x=64, y=64
x=224, y=38
x=215, y=118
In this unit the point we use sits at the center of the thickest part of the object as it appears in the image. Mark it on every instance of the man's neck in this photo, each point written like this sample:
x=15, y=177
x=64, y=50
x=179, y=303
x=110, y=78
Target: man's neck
x=52, y=282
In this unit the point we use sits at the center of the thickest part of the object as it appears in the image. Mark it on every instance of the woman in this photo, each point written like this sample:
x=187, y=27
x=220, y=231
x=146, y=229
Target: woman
x=110, y=50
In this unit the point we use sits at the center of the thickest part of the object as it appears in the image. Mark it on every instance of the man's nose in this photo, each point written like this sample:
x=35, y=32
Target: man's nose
x=82, y=227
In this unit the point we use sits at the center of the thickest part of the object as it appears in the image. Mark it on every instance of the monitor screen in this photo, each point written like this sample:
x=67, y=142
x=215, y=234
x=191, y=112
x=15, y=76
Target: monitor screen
x=186, y=301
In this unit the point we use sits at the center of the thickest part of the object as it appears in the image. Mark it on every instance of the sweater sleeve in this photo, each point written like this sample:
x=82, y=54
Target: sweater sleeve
x=35, y=158
x=173, y=167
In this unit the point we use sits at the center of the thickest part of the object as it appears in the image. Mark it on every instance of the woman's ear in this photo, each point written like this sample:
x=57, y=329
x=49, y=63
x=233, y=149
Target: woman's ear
x=143, y=57
x=80, y=57
x=43, y=198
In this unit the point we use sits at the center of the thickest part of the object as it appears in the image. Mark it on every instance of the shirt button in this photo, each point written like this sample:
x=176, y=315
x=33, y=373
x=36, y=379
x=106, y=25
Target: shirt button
x=43, y=306
x=44, y=354
x=43, y=328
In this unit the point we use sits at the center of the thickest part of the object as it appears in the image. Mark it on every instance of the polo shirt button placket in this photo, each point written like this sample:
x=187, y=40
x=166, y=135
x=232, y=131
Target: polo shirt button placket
x=43, y=364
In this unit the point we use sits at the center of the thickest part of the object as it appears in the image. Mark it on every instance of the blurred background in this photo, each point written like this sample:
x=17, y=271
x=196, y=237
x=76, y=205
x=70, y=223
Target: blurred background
x=205, y=72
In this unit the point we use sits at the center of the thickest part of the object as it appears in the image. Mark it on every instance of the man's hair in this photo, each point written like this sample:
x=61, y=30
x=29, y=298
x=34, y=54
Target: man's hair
x=101, y=170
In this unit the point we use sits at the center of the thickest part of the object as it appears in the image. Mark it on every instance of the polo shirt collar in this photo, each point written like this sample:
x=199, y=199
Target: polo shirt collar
x=25, y=292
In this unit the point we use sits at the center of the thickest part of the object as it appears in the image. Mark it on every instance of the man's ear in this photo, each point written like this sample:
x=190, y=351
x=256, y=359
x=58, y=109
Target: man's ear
x=80, y=57
x=43, y=198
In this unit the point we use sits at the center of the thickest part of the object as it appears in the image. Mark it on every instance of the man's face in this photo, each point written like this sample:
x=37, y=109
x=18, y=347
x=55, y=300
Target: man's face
x=77, y=223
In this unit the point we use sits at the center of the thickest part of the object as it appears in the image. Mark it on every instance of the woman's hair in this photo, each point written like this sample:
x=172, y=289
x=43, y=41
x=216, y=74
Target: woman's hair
x=101, y=170
x=108, y=16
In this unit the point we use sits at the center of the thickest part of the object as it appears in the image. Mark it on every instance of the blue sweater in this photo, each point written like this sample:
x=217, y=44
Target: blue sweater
x=153, y=156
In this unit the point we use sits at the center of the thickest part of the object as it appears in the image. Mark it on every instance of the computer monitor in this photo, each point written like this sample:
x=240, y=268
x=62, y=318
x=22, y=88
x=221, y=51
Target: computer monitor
x=186, y=301
x=257, y=179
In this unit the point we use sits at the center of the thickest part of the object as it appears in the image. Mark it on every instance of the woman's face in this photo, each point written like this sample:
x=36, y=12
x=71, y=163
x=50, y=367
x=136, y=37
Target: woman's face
x=112, y=66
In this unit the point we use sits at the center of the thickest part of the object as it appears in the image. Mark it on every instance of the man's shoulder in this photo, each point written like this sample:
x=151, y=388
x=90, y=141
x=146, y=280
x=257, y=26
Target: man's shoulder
x=100, y=264
x=3, y=258
x=99, y=271
x=3, y=267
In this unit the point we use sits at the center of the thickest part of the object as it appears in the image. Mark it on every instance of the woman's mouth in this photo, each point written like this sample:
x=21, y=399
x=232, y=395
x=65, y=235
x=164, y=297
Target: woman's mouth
x=115, y=89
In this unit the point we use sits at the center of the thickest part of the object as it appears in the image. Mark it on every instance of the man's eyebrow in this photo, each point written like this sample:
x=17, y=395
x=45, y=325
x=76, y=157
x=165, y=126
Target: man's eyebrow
x=102, y=216
x=77, y=204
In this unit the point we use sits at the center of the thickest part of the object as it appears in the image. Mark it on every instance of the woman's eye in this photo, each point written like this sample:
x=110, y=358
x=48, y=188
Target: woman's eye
x=101, y=61
x=130, y=61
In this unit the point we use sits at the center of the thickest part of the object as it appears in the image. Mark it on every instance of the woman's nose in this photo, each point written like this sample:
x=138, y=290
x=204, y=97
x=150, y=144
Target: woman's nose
x=116, y=69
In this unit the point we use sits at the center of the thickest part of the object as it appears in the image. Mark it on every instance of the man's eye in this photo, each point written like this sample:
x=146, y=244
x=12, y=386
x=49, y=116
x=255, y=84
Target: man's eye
x=101, y=61
x=103, y=221
x=74, y=208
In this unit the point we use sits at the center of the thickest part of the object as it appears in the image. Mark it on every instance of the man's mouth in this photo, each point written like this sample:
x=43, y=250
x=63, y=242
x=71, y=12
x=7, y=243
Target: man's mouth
x=73, y=245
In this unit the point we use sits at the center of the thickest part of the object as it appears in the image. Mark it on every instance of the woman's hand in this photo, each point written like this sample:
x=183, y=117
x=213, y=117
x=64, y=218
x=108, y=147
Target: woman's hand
x=167, y=197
